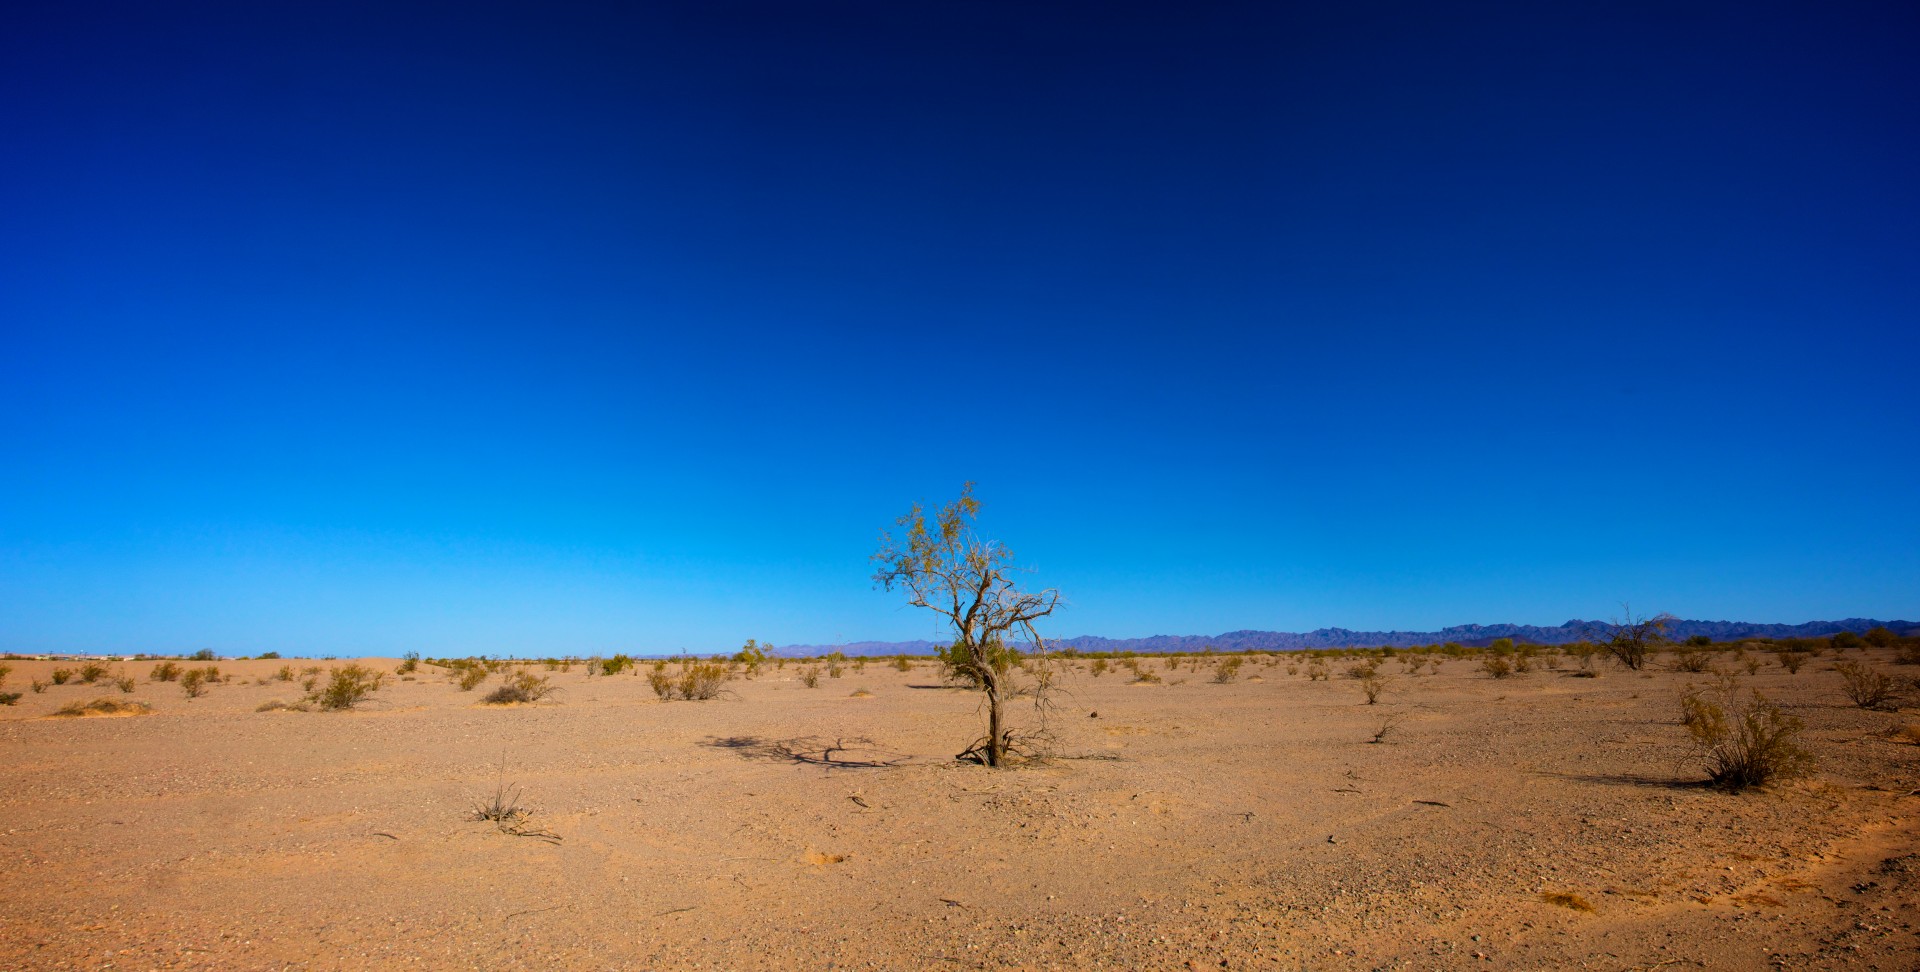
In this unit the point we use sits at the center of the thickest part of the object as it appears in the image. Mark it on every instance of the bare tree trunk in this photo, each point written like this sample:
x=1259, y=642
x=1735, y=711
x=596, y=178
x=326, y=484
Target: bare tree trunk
x=996, y=739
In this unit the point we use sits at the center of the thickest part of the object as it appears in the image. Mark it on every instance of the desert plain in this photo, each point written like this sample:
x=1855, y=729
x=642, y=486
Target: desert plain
x=1542, y=821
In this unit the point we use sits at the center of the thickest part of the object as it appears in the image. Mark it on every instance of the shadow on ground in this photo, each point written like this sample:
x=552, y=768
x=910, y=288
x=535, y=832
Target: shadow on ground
x=857, y=752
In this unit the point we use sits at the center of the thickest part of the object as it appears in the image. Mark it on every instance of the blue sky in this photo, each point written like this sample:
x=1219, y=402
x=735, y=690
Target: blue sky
x=339, y=328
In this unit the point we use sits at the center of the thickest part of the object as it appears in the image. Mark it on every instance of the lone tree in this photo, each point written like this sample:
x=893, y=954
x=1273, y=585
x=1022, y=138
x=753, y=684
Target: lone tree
x=1634, y=640
x=943, y=565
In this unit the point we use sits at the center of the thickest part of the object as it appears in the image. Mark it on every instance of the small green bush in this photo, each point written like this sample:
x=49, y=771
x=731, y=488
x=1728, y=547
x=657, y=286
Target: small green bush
x=62, y=676
x=165, y=672
x=1497, y=666
x=1745, y=745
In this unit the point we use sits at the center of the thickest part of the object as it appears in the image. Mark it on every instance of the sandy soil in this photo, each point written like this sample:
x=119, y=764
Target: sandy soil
x=1189, y=825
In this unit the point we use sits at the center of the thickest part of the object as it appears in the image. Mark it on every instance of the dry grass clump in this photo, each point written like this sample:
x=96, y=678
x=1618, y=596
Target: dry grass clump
x=1687, y=658
x=165, y=672
x=92, y=672
x=104, y=706
x=700, y=681
x=470, y=676
x=62, y=676
x=1497, y=666
x=1865, y=687
x=809, y=676
x=124, y=683
x=1745, y=744
x=276, y=705
x=522, y=687
x=346, y=687
x=903, y=664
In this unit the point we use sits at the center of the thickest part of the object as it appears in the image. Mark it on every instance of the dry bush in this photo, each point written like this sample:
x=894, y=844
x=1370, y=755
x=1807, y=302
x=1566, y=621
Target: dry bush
x=1792, y=661
x=37, y=686
x=194, y=681
x=1572, y=901
x=615, y=665
x=285, y=674
x=1364, y=669
x=1865, y=687
x=1098, y=668
x=165, y=672
x=346, y=687
x=520, y=687
x=833, y=668
x=276, y=705
x=1387, y=725
x=902, y=664
x=1228, y=670
x=470, y=677
x=1909, y=653
x=124, y=683
x=92, y=672
x=1143, y=676
x=62, y=676
x=104, y=706
x=1497, y=666
x=1687, y=658
x=1372, y=684
x=9, y=698
x=810, y=676
x=1745, y=744
x=5, y=670
x=702, y=681
x=662, y=683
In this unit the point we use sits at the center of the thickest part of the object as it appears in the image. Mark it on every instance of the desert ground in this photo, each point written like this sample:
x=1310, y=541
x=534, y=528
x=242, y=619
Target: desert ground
x=1542, y=821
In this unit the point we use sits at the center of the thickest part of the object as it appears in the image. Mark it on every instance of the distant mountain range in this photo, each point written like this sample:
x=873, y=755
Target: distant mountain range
x=1472, y=635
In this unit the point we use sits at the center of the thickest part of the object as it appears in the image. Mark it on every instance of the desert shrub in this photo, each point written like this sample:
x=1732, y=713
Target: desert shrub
x=615, y=665
x=1372, y=685
x=194, y=682
x=702, y=681
x=204, y=654
x=1844, y=640
x=5, y=670
x=1143, y=675
x=834, y=670
x=285, y=674
x=1865, y=687
x=37, y=686
x=902, y=664
x=1909, y=653
x=346, y=687
x=62, y=676
x=408, y=663
x=471, y=677
x=1098, y=668
x=1363, y=669
x=276, y=705
x=165, y=672
x=1745, y=744
x=521, y=687
x=662, y=683
x=1688, y=658
x=1523, y=662
x=104, y=706
x=1227, y=670
x=268, y=655
x=1791, y=660
x=810, y=676
x=9, y=698
x=124, y=683
x=1497, y=666
x=1316, y=671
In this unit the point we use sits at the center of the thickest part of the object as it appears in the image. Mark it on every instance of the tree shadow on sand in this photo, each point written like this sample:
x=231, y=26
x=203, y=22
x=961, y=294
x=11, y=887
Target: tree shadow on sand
x=1631, y=779
x=857, y=752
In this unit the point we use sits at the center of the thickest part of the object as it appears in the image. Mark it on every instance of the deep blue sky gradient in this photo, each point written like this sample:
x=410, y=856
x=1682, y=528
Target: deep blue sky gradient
x=541, y=328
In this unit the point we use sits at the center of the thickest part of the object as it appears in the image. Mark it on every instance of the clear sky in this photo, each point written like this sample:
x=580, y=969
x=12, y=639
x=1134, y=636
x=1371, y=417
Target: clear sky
x=543, y=328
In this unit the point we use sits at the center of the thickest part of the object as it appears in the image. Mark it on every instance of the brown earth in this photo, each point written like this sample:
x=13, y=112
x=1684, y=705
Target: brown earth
x=1183, y=825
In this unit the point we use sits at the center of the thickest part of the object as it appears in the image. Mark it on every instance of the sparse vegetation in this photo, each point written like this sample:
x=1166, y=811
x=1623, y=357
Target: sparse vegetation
x=194, y=681
x=204, y=654
x=409, y=663
x=165, y=672
x=62, y=676
x=1228, y=670
x=1497, y=666
x=1865, y=687
x=1372, y=684
x=346, y=687
x=103, y=707
x=521, y=687
x=1792, y=661
x=1632, y=640
x=1744, y=744
x=810, y=676
x=277, y=705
